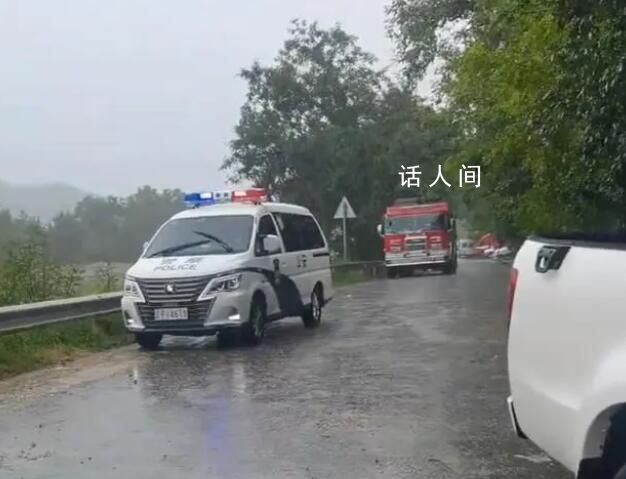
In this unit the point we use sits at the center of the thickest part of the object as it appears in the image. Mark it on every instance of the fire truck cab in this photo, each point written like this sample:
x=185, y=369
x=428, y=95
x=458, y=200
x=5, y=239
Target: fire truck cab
x=418, y=236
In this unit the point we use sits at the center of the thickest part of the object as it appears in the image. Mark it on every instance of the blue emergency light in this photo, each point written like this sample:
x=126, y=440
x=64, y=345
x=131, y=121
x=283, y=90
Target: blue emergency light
x=251, y=195
x=199, y=199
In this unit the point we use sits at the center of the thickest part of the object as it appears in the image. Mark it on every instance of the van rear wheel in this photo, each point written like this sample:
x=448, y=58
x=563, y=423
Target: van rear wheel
x=312, y=316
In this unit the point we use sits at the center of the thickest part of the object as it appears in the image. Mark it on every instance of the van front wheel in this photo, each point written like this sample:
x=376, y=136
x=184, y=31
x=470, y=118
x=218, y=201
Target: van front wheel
x=253, y=331
x=312, y=315
x=148, y=341
x=621, y=474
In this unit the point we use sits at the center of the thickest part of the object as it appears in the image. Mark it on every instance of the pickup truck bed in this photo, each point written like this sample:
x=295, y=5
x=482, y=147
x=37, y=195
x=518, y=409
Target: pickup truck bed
x=567, y=350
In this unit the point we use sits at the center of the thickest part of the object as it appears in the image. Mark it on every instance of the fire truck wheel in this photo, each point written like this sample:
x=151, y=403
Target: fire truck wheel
x=392, y=273
x=450, y=268
x=406, y=272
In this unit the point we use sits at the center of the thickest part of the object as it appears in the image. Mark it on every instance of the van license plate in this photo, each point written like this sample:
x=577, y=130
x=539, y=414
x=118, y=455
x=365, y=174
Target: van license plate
x=171, y=314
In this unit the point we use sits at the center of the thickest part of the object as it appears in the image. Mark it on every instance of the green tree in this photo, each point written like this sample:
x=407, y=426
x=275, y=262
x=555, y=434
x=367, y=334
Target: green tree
x=142, y=213
x=15, y=229
x=67, y=237
x=322, y=122
x=427, y=30
x=537, y=91
x=321, y=87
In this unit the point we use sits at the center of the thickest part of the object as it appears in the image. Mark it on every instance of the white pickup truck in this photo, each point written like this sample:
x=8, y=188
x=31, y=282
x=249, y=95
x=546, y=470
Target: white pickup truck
x=567, y=351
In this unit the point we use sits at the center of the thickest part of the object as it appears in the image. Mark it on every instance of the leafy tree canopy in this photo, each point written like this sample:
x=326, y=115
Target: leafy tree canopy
x=537, y=91
x=322, y=122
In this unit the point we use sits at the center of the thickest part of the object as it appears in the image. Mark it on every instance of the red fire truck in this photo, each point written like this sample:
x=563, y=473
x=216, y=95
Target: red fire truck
x=418, y=236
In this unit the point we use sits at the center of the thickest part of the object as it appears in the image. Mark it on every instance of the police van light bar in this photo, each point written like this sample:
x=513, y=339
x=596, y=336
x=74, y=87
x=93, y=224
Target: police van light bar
x=252, y=195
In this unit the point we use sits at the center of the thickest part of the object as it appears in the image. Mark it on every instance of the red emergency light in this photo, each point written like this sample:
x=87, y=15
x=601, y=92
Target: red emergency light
x=251, y=195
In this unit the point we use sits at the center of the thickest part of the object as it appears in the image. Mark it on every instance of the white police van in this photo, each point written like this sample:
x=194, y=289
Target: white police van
x=228, y=266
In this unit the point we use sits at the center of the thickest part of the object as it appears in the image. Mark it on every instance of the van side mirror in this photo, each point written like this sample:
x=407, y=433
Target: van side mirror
x=271, y=244
x=379, y=228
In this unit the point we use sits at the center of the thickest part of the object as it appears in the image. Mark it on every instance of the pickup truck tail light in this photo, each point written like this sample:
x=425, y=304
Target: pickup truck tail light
x=511, y=292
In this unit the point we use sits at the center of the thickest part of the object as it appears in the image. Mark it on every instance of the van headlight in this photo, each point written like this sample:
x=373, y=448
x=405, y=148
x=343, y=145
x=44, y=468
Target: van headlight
x=221, y=284
x=132, y=289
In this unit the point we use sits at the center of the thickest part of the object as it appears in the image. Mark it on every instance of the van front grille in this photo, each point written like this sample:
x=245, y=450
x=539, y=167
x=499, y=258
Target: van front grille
x=172, y=291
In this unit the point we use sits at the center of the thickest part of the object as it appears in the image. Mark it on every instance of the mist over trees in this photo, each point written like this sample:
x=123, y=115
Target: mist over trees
x=98, y=229
x=18, y=198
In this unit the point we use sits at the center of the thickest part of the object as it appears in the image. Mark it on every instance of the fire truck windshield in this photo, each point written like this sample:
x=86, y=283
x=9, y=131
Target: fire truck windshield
x=414, y=224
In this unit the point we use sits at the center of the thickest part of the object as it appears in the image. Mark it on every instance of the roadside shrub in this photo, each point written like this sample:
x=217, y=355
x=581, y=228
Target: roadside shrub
x=27, y=274
x=108, y=278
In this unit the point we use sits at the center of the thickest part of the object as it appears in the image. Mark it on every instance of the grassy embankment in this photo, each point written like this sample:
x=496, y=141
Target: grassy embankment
x=345, y=277
x=100, y=278
x=39, y=347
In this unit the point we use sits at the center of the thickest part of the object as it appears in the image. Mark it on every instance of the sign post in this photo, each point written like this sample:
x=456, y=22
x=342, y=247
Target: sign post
x=344, y=212
x=345, y=235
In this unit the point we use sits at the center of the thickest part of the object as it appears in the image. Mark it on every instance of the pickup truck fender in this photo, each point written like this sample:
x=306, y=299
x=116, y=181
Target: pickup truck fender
x=605, y=397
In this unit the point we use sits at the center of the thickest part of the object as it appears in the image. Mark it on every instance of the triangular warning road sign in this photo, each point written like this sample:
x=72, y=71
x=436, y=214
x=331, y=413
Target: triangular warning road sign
x=344, y=210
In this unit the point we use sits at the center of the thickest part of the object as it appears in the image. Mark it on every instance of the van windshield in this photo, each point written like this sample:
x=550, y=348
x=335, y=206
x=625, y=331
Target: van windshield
x=208, y=235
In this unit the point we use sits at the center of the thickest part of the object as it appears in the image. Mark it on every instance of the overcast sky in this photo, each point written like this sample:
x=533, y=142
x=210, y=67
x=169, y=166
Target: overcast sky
x=110, y=95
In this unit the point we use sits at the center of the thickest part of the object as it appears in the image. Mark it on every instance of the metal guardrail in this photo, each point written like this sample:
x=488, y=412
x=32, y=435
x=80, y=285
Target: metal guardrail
x=25, y=316
x=357, y=264
x=375, y=269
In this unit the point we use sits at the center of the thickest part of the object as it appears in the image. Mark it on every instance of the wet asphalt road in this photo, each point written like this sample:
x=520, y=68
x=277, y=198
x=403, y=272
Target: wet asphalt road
x=405, y=379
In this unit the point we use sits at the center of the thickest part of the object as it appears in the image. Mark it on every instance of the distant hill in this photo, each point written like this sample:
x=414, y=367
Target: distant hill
x=43, y=200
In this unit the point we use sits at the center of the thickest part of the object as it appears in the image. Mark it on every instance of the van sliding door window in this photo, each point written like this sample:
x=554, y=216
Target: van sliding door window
x=288, y=231
x=299, y=232
x=314, y=238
